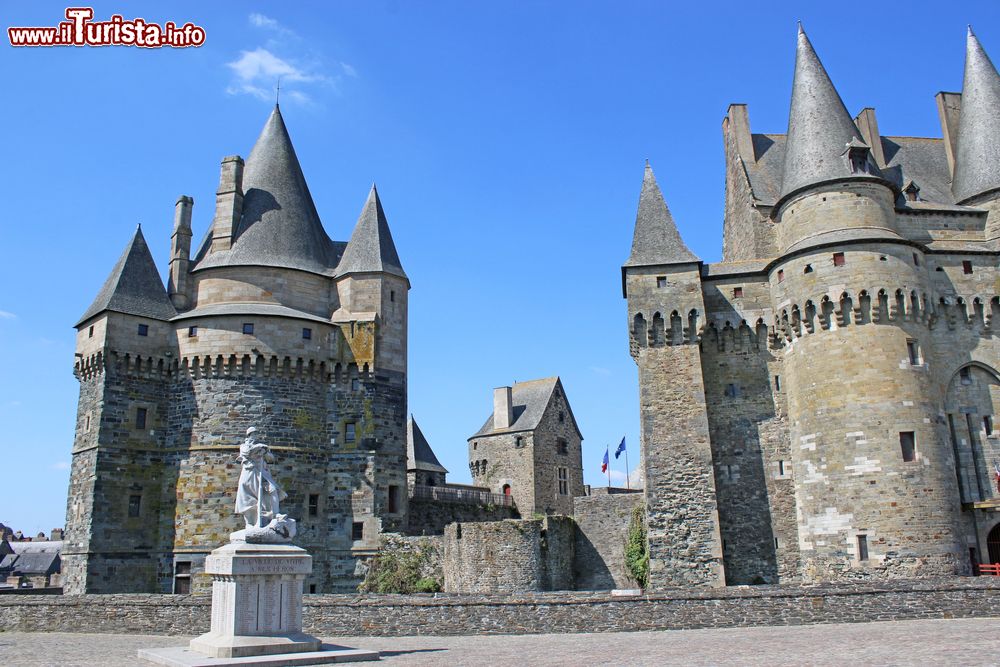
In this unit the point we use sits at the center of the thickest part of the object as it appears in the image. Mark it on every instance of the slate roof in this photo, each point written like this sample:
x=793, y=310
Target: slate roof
x=529, y=401
x=134, y=286
x=244, y=308
x=33, y=563
x=656, y=239
x=280, y=225
x=977, y=159
x=371, y=247
x=922, y=160
x=419, y=455
x=819, y=127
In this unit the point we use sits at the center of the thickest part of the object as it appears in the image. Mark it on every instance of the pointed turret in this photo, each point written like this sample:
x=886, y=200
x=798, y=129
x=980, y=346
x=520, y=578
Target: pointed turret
x=371, y=249
x=977, y=160
x=656, y=239
x=419, y=455
x=134, y=286
x=819, y=127
x=279, y=225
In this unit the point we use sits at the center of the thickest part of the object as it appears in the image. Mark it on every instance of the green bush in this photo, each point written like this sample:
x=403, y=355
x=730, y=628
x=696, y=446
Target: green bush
x=637, y=548
x=400, y=572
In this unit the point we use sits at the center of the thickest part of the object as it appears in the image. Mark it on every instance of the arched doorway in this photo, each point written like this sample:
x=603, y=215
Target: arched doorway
x=993, y=544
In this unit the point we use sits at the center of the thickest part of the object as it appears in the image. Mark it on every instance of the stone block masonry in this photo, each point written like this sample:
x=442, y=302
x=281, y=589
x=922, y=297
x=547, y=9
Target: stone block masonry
x=442, y=614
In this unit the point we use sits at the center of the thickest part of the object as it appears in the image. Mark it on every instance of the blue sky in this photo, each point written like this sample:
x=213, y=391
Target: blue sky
x=507, y=140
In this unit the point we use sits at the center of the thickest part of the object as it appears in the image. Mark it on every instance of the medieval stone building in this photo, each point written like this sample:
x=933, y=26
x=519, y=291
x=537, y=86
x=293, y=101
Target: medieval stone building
x=269, y=323
x=820, y=404
x=529, y=448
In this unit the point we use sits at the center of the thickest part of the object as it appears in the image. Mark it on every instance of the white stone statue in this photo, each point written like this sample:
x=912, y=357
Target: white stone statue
x=258, y=496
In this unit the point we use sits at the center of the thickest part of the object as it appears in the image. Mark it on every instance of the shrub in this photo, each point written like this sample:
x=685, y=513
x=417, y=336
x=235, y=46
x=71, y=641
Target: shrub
x=637, y=548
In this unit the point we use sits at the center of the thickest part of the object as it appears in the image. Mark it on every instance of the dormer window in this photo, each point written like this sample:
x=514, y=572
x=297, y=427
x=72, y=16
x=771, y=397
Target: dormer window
x=858, y=157
x=911, y=191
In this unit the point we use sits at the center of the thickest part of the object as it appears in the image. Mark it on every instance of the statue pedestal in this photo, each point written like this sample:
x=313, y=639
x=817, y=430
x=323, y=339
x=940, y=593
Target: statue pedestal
x=256, y=613
x=256, y=601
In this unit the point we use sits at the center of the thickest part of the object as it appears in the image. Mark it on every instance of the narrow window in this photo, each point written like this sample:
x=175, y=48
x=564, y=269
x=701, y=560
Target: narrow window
x=144, y=328
x=838, y=259
x=182, y=578
x=518, y=442
x=392, y=295
x=732, y=390
x=248, y=328
x=90, y=333
x=357, y=531
x=562, y=446
x=781, y=275
x=313, y=504
x=133, y=505
x=776, y=543
x=965, y=376
x=913, y=351
x=661, y=281
x=140, y=418
x=86, y=423
x=393, y=499
x=777, y=383
x=988, y=424
x=355, y=384
x=737, y=292
x=908, y=446
x=781, y=467
x=192, y=332
x=562, y=416
x=312, y=589
x=349, y=432
x=563, y=482
x=862, y=547
x=916, y=259
x=966, y=266
x=307, y=333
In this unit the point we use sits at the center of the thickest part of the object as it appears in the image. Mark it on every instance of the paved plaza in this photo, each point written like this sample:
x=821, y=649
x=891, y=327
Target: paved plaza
x=953, y=642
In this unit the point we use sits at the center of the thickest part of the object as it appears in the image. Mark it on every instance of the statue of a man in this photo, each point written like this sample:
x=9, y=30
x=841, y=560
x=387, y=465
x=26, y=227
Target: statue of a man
x=258, y=494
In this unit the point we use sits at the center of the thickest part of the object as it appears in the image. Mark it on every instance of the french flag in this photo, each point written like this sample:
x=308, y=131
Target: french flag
x=604, y=465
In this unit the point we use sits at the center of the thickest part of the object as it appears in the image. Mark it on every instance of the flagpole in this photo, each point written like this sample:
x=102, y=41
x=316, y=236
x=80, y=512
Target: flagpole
x=628, y=484
x=607, y=453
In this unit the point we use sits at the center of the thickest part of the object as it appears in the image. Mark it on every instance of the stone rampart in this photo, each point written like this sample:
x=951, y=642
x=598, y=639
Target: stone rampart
x=443, y=614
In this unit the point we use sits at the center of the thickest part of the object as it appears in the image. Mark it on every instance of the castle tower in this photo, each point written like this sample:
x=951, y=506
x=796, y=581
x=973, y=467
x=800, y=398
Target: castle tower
x=874, y=484
x=125, y=345
x=662, y=282
x=279, y=327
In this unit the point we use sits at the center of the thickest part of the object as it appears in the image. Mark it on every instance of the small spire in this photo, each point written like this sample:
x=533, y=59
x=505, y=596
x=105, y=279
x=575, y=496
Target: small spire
x=977, y=155
x=656, y=240
x=371, y=249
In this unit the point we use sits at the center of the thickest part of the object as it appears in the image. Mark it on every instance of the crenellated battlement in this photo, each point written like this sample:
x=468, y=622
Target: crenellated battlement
x=834, y=312
x=219, y=366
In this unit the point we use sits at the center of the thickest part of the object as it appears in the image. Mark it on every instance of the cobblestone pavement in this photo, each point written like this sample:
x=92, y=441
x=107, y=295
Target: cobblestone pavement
x=964, y=642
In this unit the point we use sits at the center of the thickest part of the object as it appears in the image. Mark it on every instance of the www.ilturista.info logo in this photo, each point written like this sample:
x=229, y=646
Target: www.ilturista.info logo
x=80, y=30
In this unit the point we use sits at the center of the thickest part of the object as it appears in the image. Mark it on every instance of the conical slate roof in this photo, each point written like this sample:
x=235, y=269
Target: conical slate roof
x=371, y=248
x=279, y=226
x=819, y=127
x=656, y=239
x=419, y=455
x=134, y=286
x=977, y=162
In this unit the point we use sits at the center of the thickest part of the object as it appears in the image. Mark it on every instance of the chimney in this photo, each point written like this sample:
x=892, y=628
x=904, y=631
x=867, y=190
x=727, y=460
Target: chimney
x=503, y=410
x=739, y=125
x=868, y=126
x=228, y=203
x=949, y=108
x=180, y=253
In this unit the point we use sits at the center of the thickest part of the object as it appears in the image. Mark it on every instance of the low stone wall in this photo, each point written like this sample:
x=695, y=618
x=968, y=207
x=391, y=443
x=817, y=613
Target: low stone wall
x=602, y=528
x=348, y=615
x=429, y=517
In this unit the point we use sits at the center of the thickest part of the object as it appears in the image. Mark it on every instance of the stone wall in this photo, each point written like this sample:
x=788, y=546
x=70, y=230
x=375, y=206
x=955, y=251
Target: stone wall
x=513, y=556
x=360, y=615
x=602, y=528
x=429, y=517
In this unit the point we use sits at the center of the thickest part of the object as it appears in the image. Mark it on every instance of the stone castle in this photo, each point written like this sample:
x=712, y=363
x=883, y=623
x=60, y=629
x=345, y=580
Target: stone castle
x=820, y=405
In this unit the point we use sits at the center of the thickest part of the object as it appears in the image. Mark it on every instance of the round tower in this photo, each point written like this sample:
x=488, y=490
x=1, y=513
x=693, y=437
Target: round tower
x=875, y=485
